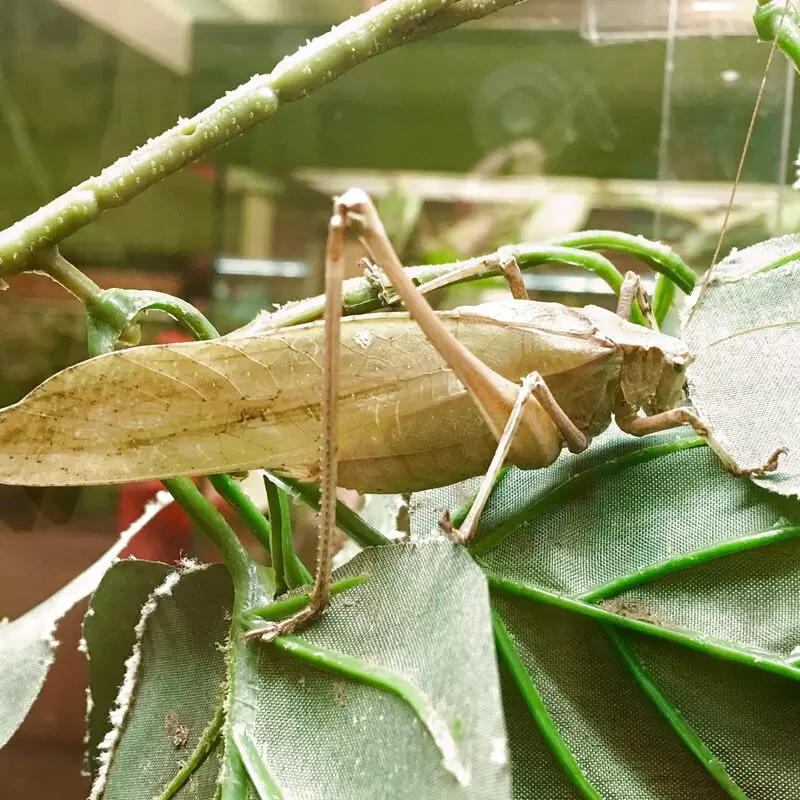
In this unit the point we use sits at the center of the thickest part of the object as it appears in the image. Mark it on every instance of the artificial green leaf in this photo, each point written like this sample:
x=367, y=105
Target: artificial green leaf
x=744, y=332
x=27, y=643
x=397, y=681
x=696, y=573
x=167, y=713
x=109, y=637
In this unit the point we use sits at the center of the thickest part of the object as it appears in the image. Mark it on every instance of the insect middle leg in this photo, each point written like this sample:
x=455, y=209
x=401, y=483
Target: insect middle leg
x=576, y=440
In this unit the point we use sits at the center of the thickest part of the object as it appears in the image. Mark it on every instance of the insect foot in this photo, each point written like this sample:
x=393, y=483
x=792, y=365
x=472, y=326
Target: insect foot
x=270, y=631
x=770, y=465
x=448, y=529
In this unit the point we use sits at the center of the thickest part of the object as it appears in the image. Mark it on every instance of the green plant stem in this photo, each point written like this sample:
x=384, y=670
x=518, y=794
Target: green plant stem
x=663, y=297
x=113, y=313
x=289, y=570
x=276, y=523
x=325, y=58
x=208, y=741
x=660, y=257
x=232, y=493
x=347, y=520
x=362, y=295
x=683, y=561
x=672, y=716
x=185, y=313
x=593, y=262
x=50, y=262
x=265, y=785
x=780, y=23
x=281, y=609
x=538, y=711
x=739, y=654
x=213, y=524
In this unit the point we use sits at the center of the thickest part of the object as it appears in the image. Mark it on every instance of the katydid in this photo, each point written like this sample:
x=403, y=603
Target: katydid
x=406, y=422
x=421, y=400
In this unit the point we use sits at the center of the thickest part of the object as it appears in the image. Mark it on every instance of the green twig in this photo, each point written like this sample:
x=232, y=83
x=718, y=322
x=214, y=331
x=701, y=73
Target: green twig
x=593, y=262
x=281, y=609
x=673, y=717
x=538, y=711
x=660, y=257
x=242, y=568
x=50, y=262
x=263, y=782
x=113, y=312
x=362, y=295
x=208, y=741
x=779, y=22
x=718, y=648
x=683, y=561
x=277, y=522
x=663, y=297
x=289, y=570
x=350, y=523
x=387, y=25
x=237, y=498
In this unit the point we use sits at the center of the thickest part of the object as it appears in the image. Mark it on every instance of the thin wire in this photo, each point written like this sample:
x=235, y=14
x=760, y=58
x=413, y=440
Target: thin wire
x=740, y=167
x=666, y=115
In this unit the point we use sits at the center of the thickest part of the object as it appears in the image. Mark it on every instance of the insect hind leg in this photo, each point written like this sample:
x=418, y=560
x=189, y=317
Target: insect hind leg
x=321, y=591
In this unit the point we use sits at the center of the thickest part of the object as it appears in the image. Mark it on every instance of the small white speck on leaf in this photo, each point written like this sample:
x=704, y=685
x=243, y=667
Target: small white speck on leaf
x=363, y=339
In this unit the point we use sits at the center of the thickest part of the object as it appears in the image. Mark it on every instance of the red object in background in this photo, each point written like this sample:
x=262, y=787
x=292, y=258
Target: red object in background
x=203, y=170
x=166, y=537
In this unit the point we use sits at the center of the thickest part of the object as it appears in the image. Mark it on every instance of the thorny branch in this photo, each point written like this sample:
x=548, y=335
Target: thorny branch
x=387, y=25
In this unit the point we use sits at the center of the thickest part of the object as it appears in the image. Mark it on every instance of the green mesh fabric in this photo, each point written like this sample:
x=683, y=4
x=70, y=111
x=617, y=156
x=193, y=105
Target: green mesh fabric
x=423, y=614
x=745, y=333
x=109, y=633
x=592, y=519
x=177, y=685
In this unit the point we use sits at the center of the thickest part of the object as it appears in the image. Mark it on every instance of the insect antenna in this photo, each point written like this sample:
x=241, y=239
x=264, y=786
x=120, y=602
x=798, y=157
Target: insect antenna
x=705, y=280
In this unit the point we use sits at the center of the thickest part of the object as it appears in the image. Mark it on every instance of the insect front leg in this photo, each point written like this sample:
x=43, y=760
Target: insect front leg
x=509, y=269
x=641, y=426
x=631, y=290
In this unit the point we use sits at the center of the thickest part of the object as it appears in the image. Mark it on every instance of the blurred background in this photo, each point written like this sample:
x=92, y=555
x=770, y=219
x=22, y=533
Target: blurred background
x=553, y=116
